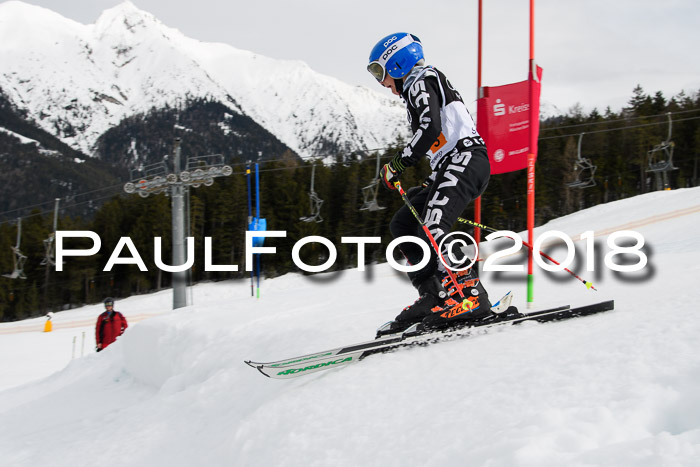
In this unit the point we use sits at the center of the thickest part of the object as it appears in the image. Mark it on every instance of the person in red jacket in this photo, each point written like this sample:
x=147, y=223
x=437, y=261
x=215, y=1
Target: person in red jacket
x=110, y=325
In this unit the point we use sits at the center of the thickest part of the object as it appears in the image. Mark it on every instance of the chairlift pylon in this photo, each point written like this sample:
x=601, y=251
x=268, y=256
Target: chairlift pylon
x=584, y=170
x=660, y=158
x=369, y=193
x=18, y=258
x=315, y=202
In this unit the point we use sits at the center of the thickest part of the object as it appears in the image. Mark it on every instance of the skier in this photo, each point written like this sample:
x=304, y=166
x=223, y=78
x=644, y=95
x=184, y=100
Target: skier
x=444, y=131
x=110, y=325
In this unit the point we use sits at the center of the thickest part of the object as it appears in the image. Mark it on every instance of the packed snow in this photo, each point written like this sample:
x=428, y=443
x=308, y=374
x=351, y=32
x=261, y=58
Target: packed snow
x=615, y=389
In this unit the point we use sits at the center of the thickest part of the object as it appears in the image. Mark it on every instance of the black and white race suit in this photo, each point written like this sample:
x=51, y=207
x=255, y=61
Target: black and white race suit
x=444, y=131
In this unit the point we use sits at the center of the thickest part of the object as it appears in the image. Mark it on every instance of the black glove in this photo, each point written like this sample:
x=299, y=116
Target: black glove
x=391, y=172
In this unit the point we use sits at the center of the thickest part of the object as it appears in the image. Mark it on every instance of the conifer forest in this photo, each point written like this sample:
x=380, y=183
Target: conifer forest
x=584, y=159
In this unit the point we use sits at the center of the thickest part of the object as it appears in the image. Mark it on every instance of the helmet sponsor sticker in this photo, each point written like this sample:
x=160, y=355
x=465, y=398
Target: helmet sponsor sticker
x=395, y=47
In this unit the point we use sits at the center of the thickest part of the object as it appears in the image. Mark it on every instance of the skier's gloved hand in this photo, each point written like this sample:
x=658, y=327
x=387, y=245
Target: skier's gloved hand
x=391, y=172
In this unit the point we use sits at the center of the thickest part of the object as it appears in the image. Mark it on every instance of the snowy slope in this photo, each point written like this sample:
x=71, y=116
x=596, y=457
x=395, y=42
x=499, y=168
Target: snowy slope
x=22, y=139
x=77, y=81
x=617, y=389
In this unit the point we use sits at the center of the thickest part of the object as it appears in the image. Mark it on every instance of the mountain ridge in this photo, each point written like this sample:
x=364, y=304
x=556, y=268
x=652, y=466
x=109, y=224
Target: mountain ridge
x=77, y=81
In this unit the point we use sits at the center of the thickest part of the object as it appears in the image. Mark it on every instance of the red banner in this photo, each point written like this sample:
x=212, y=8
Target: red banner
x=503, y=120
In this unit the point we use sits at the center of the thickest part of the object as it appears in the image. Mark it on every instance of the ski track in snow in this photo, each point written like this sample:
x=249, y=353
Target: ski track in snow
x=616, y=389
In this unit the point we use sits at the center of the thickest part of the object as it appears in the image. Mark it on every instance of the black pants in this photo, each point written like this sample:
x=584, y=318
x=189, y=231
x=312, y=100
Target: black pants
x=461, y=177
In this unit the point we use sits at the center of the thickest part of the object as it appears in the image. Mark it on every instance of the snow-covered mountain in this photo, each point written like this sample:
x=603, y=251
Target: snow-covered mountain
x=77, y=81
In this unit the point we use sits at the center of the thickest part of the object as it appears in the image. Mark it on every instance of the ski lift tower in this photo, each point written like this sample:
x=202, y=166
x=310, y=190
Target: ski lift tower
x=157, y=178
x=49, y=253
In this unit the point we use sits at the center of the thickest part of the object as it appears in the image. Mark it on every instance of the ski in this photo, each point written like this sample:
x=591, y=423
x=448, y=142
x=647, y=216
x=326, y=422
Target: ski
x=329, y=355
x=342, y=356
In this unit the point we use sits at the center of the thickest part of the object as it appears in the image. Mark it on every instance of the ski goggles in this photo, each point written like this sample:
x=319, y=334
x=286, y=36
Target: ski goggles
x=377, y=70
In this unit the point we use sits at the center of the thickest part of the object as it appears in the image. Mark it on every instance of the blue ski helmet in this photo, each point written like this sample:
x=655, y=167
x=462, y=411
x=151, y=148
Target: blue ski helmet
x=395, y=54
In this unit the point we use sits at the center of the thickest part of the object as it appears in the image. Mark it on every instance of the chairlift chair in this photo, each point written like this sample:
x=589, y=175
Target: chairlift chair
x=369, y=193
x=48, y=251
x=315, y=202
x=660, y=158
x=49, y=242
x=17, y=257
x=584, y=170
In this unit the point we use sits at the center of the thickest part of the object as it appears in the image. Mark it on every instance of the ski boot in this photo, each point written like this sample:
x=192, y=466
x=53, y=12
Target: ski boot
x=431, y=298
x=458, y=311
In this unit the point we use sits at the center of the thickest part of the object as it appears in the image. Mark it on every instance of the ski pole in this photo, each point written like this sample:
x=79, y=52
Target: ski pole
x=588, y=284
x=250, y=220
x=397, y=184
